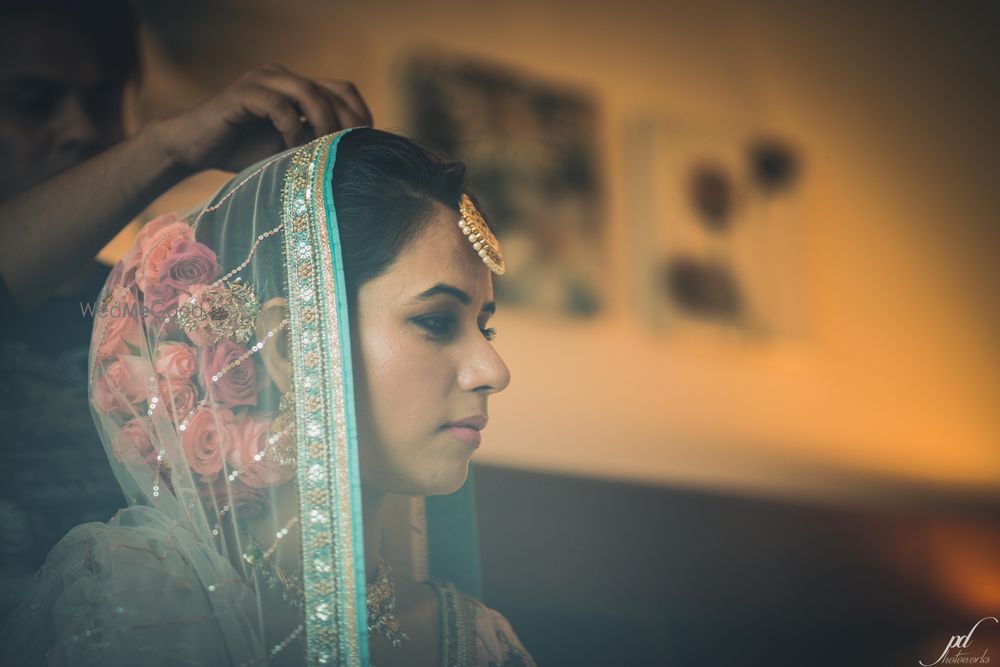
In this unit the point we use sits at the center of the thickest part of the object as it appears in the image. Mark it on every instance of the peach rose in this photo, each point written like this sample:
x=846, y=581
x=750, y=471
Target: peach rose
x=190, y=263
x=157, y=250
x=238, y=386
x=175, y=361
x=132, y=444
x=160, y=300
x=122, y=328
x=249, y=440
x=177, y=397
x=122, y=385
x=106, y=400
x=151, y=229
x=133, y=257
x=207, y=440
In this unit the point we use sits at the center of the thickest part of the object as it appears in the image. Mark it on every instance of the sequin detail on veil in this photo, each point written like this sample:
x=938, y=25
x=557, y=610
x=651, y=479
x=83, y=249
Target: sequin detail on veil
x=330, y=564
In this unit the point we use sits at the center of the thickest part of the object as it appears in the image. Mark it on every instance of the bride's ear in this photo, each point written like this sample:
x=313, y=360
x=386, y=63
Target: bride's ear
x=275, y=354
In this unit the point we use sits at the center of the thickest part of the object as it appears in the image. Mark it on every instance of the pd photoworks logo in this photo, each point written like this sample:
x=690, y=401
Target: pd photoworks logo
x=962, y=642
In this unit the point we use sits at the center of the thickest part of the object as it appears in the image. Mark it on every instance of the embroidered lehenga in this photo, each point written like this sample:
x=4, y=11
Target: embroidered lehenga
x=221, y=385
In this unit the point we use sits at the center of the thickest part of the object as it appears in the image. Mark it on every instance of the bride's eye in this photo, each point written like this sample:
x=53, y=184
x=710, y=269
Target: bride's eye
x=442, y=326
x=438, y=326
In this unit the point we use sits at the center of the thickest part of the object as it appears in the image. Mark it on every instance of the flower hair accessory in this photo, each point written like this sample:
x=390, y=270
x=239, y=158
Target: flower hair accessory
x=482, y=239
x=226, y=310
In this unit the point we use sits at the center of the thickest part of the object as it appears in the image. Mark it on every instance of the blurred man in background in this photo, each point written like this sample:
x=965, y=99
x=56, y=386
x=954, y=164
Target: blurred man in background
x=70, y=181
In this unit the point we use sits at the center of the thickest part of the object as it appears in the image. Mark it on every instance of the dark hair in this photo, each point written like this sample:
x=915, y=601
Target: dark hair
x=384, y=189
x=110, y=26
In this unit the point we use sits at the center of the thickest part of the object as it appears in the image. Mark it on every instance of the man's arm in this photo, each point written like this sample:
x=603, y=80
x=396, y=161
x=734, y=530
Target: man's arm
x=49, y=232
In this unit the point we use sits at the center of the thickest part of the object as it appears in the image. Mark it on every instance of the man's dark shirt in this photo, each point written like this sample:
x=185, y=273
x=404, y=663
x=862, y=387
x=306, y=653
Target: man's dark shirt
x=55, y=473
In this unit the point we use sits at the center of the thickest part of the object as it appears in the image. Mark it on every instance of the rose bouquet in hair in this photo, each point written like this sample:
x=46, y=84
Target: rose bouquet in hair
x=180, y=351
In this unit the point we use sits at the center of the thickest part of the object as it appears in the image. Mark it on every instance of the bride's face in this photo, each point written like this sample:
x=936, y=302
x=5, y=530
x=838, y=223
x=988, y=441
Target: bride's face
x=423, y=360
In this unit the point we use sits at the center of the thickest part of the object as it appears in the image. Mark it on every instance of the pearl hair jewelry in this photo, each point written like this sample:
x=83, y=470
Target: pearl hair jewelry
x=482, y=239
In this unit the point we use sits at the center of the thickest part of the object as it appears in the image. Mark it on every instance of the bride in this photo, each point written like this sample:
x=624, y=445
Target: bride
x=267, y=374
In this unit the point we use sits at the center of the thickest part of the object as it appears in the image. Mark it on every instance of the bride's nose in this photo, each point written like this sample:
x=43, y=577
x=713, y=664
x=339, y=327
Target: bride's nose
x=483, y=369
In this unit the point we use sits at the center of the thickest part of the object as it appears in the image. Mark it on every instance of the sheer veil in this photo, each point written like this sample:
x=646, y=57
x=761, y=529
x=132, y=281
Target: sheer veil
x=221, y=386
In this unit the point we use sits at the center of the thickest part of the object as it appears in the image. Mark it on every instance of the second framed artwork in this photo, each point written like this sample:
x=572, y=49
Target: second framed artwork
x=718, y=230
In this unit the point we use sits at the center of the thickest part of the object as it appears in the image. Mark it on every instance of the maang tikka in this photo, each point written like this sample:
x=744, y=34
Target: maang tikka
x=482, y=239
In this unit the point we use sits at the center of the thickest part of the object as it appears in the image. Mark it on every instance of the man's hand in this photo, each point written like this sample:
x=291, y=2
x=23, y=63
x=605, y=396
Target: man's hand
x=263, y=112
x=52, y=230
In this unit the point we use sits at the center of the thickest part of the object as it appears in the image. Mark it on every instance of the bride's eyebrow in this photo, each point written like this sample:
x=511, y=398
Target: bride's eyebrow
x=451, y=290
x=443, y=288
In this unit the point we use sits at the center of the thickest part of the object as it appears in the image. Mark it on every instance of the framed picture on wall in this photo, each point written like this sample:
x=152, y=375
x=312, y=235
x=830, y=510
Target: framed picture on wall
x=718, y=234
x=530, y=148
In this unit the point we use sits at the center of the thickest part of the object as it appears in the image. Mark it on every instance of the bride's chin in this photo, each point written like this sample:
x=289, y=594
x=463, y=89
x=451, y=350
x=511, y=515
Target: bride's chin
x=449, y=480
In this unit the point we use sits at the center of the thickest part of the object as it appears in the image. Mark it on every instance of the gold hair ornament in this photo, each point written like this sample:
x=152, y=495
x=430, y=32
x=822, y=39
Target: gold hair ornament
x=226, y=310
x=483, y=242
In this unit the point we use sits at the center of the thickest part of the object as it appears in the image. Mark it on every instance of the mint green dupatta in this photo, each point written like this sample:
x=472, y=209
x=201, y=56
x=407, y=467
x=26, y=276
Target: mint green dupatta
x=328, y=469
x=328, y=479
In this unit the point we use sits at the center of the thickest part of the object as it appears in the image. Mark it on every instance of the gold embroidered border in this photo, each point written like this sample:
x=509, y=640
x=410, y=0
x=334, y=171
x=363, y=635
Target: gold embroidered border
x=328, y=550
x=347, y=612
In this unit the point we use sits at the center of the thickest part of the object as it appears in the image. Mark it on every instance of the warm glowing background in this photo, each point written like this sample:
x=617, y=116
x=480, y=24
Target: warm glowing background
x=887, y=402
x=896, y=378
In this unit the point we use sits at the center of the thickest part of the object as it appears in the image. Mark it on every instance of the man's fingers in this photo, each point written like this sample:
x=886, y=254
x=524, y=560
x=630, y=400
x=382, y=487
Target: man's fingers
x=349, y=95
x=300, y=108
x=267, y=103
x=348, y=116
x=311, y=99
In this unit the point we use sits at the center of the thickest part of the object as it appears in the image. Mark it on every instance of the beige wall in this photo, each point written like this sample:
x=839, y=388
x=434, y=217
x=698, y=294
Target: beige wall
x=896, y=381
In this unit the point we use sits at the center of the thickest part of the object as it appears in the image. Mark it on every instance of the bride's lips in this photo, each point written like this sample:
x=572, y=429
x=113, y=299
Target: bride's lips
x=467, y=430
